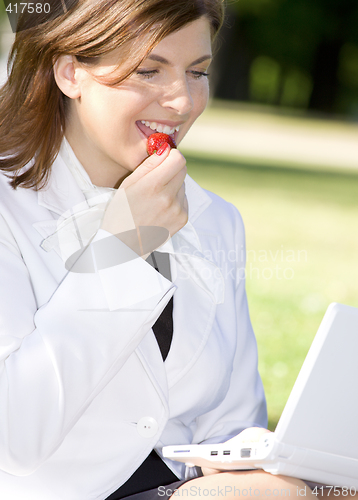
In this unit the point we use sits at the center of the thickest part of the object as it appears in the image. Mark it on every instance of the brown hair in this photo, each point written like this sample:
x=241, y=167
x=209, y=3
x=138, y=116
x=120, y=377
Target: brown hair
x=32, y=108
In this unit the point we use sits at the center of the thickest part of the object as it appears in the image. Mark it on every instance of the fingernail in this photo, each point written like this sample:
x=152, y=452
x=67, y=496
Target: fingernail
x=162, y=148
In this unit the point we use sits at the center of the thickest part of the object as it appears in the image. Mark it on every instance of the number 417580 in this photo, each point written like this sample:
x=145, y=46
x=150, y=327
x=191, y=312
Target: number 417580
x=336, y=491
x=29, y=7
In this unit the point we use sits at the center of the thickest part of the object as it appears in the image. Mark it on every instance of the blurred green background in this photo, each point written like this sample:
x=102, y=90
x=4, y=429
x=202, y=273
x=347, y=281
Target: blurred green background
x=291, y=53
x=300, y=208
x=280, y=142
x=302, y=243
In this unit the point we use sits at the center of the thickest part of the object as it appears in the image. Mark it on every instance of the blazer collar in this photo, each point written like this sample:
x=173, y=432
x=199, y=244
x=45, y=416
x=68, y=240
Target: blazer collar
x=62, y=192
x=198, y=199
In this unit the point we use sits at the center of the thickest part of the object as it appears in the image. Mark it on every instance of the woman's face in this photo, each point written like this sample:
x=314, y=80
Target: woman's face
x=108, y=127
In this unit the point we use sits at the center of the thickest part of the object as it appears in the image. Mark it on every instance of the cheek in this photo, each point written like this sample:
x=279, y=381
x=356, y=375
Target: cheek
x=200, y=96
x=109, y=111
x=94, y=106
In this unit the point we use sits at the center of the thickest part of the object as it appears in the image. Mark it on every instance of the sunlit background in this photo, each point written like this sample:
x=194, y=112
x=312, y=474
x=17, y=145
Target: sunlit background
x=280, y=141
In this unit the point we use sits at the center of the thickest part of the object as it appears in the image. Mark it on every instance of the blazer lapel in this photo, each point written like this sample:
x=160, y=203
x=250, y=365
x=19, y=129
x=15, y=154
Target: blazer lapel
x=62, y=192
x=60, y=195
x=200, y=287
x=149, y=355
x=199, y=281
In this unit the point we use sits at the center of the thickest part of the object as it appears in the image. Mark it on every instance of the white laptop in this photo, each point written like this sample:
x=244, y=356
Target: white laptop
x=316, y=437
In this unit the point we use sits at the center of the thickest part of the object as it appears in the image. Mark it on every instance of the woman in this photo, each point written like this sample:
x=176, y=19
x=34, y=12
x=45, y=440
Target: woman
x=105, y=360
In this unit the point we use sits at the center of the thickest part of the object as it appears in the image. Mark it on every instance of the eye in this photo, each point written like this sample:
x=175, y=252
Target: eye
x=199, y=74
x=147, y=73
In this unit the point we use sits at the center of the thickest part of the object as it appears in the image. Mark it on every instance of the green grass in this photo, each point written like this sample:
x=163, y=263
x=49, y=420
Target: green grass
x=302, y=241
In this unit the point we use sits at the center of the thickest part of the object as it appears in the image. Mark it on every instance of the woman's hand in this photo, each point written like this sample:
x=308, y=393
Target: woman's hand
x=155, y=196
x=251, y=434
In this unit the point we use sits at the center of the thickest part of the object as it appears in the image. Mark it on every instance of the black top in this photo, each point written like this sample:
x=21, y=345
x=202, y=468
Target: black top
x=163, y=327
x=153, y=472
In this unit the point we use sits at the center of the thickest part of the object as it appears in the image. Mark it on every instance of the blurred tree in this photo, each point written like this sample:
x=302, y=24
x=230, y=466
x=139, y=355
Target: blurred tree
x=300, y=45
x=337, y=29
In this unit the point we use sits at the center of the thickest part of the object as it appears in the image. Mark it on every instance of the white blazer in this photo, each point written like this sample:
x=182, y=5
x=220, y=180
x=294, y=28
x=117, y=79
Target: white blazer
x=84, y=392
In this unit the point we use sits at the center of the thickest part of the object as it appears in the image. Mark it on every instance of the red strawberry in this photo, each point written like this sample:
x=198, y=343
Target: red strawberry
x=156, y=140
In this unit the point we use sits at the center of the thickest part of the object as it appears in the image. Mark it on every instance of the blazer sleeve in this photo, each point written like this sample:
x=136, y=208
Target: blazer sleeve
x=244, y=404
x=55, y=359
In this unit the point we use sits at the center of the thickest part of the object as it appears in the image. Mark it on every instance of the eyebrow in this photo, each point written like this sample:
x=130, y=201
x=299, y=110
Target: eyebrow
x=162, y=60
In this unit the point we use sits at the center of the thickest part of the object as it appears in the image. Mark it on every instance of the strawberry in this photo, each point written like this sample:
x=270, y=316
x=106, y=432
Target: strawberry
x=156, y=140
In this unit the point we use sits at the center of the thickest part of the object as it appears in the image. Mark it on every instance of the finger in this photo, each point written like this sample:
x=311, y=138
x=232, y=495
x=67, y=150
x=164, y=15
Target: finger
x=183, y=203
x=181, y=196
x=173, y=187
x=168, y=169
x=149, y=164
x=186, y=205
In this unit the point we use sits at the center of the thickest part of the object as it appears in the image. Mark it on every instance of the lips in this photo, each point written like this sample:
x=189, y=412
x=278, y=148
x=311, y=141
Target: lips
x=147, y=131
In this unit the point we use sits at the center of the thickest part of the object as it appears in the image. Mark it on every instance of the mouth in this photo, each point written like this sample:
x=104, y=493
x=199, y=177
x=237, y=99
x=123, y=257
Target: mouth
x=148, y=128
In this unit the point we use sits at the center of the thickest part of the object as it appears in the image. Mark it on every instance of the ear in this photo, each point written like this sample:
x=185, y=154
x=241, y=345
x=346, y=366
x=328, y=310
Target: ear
x=65, y=75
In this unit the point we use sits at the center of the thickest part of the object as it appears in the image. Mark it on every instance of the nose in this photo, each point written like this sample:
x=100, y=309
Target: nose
x=177, y=97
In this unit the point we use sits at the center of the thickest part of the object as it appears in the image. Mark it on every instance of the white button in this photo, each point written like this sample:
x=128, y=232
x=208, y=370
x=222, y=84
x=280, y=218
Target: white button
x=147, y=427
